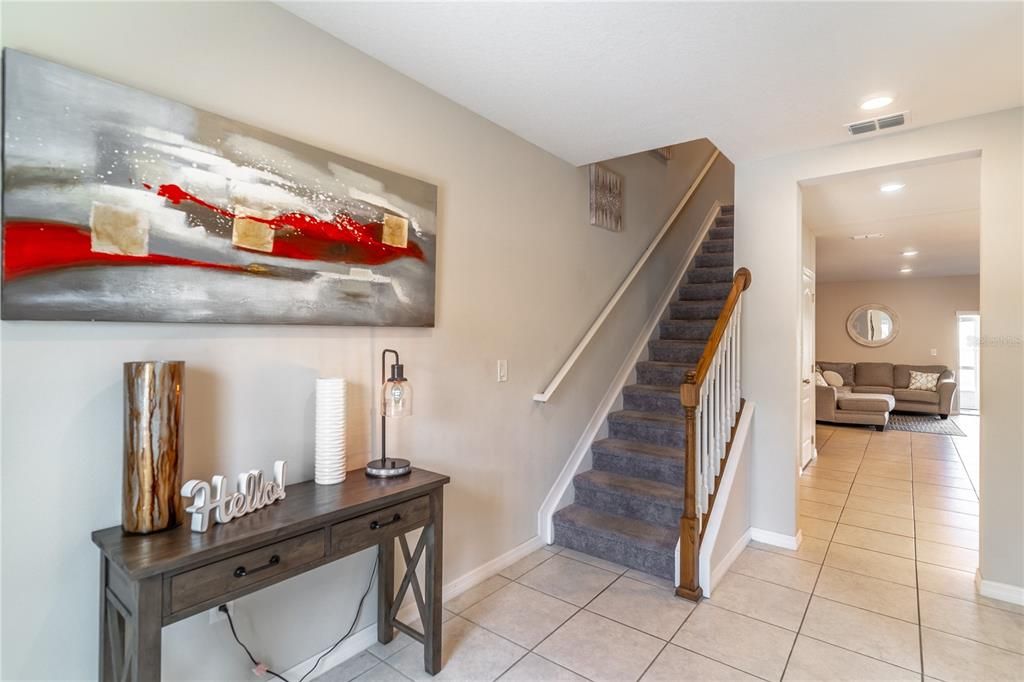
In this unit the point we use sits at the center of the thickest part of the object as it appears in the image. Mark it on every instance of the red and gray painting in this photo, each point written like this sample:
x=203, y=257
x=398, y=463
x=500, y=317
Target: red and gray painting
x=121, y=205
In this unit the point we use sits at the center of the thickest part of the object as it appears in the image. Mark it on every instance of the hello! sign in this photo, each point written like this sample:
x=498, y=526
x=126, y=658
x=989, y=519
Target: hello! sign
x=213, y=499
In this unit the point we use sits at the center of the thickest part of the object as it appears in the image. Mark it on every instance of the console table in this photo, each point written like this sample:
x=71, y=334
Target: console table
x=149, y=581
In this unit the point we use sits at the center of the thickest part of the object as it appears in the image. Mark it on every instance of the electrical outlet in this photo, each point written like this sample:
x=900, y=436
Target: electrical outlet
x=935, y=352
x=216, y=615
x=502, y=370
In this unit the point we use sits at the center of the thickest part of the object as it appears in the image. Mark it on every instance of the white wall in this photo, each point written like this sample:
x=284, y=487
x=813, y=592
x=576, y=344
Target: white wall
x=768, y=241
x=521, y=275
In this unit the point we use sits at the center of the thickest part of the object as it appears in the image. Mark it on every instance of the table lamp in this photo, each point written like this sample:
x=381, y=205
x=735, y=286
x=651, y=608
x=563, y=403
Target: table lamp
x=395, y=401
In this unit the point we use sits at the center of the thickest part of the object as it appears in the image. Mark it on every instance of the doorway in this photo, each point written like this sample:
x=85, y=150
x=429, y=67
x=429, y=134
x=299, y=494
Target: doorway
x=807, y=386
x=968, y=327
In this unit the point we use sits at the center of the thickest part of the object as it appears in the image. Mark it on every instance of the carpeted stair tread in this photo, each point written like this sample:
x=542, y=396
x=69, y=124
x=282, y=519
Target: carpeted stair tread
x=633, y=447
x=652, y=398
x=714, y=260
x=651, y=389
x=612, y=492
x=665, y=421
x=647, y=535
x=721, y=233
x=673, y=350
x=663, y=493
x=705, y=275
x=662, y=373
x=717, y=246
x=704, y=292
x=639, y=460
x=659, y=428
x=696, y=310
x=687, y=330
x=629, y=542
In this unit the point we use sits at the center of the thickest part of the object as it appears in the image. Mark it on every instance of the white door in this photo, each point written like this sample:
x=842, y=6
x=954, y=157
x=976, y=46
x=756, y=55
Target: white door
x=968, y=332
x=807, y=451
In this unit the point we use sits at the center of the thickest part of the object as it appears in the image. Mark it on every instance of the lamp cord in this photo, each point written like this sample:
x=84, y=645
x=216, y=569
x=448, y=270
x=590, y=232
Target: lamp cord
x=355, y=620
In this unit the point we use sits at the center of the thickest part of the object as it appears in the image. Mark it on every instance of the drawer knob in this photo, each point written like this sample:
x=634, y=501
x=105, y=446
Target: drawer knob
x=374, y=525
x=241, y=571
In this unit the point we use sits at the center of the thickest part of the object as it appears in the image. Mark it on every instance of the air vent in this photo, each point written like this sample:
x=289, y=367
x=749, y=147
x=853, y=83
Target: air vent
x=862, y=127
x=891, y=121
x=883, y=123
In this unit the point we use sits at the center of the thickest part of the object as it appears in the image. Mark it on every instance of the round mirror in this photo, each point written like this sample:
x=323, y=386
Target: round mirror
x=873, y=325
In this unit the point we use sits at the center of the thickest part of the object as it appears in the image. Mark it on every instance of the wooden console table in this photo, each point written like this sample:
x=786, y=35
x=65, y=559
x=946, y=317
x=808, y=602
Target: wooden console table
x=149, y=581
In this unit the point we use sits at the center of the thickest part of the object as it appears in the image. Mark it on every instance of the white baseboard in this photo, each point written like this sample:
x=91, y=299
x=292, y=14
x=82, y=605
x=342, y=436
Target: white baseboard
x=769, y=537
x=1013, y=594
x=552, y=502
x=352, y=646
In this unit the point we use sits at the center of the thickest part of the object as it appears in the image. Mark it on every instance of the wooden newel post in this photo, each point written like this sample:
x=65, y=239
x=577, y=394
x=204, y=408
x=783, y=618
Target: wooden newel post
x=689, y=530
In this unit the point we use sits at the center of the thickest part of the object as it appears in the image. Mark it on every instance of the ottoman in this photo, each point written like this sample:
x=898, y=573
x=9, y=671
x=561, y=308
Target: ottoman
x=864, y=408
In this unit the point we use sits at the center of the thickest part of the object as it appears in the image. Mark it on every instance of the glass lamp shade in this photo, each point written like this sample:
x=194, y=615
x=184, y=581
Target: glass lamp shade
x=396, y=398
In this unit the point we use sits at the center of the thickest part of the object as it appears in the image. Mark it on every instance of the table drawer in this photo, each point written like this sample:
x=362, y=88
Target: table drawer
x=371, y=529
x=225, y=576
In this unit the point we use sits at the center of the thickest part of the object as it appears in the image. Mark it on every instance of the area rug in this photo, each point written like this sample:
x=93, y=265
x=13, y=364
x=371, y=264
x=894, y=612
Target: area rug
x=924, y=423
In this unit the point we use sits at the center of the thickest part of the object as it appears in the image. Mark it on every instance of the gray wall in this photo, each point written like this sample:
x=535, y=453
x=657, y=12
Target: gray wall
x=521, y=275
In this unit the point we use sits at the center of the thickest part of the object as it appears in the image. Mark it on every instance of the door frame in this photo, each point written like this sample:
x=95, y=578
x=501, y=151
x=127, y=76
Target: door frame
x=810, y=275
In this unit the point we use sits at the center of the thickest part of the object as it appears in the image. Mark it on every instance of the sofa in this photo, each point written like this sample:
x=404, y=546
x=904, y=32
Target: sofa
x=871, y=390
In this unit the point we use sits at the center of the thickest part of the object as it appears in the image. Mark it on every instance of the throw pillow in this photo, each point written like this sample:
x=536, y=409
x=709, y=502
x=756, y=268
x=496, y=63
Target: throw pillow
x=819, y=379
x=922, y=381
x=832, y=378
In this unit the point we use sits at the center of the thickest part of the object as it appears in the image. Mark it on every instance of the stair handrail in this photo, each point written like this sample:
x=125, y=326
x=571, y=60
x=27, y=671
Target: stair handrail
x=711, y=398
x=610, y=305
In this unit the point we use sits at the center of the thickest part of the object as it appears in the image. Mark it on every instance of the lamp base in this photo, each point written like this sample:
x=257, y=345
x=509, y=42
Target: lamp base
x=392, y=466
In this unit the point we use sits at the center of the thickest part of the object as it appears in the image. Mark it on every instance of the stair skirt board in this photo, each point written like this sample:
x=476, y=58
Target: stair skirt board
x=561, y=491
x=626, y=508
x=711, y=572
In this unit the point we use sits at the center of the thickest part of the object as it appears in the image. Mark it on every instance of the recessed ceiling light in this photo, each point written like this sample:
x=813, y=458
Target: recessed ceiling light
x=876, y=103
x=910, y=252
x=906, y=270
x=870, y=235
x=892, y=187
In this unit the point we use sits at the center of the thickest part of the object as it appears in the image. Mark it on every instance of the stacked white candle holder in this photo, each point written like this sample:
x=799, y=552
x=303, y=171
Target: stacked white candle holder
x=330, y=431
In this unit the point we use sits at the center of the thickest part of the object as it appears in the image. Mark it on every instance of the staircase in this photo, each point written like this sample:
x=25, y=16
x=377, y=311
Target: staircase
x=628, y=506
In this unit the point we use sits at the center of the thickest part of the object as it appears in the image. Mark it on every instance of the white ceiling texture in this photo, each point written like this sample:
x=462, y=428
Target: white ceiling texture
x=592, y=81
x=936, y=213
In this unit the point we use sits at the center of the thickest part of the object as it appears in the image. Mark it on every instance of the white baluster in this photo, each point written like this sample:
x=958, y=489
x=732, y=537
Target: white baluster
x=733, y=360
x=723, y=436
x=702, y=454
x=699, y=453
x=726, y=359
x=739, y=349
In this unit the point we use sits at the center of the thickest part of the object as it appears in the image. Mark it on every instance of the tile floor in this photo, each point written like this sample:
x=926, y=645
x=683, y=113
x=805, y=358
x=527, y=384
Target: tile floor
x=882, y=588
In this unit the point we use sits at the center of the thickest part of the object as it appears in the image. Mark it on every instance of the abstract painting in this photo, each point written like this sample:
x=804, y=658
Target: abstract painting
x=121, y=205
x=605, y=198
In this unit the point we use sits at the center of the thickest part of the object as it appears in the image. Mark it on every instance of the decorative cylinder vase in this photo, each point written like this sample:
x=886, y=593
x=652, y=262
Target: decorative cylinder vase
x=330, y=456
x=153, y=446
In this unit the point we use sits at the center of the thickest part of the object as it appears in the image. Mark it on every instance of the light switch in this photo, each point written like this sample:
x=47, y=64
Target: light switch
x=935, y=352
x=502, y=370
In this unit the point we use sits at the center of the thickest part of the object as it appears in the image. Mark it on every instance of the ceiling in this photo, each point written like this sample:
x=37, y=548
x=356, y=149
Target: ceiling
x=592, y=81
x=936, y=213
